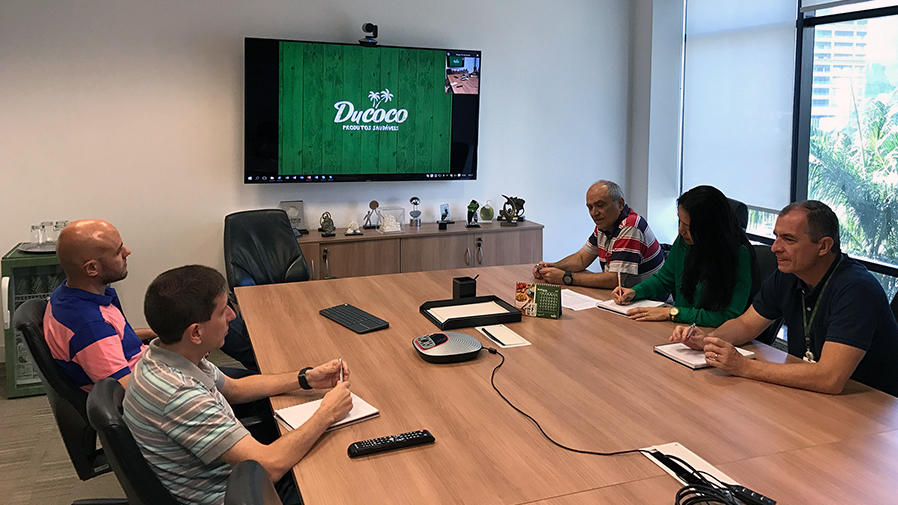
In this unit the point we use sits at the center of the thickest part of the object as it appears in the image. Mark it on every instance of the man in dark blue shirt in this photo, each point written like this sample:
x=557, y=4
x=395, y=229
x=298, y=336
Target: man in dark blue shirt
x=837, y=314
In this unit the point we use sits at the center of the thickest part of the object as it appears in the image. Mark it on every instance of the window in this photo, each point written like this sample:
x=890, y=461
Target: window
x=821, y=68
x=848, y=153
x=823, y=45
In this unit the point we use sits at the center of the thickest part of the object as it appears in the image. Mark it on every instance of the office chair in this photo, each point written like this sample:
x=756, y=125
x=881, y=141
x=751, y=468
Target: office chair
x=104, y=409
x=260, y=248
x=766, y=266
x=740, y=212
x=66, y=400
x=249, y=485
x=895, y=305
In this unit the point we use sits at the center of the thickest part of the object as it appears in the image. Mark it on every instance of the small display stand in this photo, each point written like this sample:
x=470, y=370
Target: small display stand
x=468, y=312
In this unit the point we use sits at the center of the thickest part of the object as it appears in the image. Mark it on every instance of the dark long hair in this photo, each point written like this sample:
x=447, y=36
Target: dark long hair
x=714, y=254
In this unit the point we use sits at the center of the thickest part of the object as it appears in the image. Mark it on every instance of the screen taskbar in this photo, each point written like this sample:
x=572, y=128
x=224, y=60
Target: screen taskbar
x=264, y=179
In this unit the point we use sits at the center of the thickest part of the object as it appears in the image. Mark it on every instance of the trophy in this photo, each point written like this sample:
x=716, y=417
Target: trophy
x=372, y=218
x=512, y=211
x=415, y=214
x=472, y=214
x=327, y=225
x=487, y=212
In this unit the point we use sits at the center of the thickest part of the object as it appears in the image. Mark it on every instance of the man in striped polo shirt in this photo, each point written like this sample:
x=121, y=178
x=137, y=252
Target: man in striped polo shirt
x=177, y=404
x=84, y=326
x=622, y=241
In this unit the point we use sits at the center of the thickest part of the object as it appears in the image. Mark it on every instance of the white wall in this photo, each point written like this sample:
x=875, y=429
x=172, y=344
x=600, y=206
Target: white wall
x=133, y=111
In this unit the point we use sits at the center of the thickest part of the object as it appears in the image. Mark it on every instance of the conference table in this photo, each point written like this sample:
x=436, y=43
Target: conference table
x=590, y=378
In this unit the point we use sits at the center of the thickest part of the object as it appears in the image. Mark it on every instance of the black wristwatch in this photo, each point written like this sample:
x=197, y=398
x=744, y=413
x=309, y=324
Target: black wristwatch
x=301, y=377
x=568, y=278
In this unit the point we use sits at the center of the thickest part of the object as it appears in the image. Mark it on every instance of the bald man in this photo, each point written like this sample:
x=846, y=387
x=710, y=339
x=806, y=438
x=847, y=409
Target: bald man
x=84, y=325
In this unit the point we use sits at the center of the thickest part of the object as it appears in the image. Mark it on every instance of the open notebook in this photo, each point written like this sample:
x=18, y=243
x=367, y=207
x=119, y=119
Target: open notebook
x=681, y=353
x=293, y=417
x=622, y=309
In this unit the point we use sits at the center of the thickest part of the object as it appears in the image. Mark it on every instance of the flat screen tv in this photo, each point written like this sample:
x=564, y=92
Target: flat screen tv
x=320, y=112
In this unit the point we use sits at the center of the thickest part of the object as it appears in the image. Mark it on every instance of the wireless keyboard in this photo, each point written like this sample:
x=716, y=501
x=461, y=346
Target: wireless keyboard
x=354, y=318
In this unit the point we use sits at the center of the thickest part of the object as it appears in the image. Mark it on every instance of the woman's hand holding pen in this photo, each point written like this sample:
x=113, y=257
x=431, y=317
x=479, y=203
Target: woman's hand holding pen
x=622, y=295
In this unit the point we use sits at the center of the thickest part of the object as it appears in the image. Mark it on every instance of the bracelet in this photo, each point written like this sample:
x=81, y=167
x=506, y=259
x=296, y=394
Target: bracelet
x=301, y=378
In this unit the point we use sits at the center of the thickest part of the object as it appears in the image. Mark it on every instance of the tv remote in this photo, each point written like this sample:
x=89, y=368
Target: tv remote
x=392, y=442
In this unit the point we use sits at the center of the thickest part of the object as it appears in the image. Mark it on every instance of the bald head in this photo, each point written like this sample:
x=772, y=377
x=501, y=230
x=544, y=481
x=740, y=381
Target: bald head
x=92, y=253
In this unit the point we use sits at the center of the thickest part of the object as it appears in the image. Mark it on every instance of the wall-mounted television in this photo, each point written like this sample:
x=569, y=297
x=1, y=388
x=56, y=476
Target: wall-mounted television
x=319, y=112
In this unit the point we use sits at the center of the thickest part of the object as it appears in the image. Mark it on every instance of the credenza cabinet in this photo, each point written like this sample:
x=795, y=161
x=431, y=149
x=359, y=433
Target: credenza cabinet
x=416, y=249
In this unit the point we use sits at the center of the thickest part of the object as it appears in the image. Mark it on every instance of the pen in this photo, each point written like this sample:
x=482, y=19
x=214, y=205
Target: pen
x=689, y=333
x=618, y=280
x=490, y=335
x=341, y=369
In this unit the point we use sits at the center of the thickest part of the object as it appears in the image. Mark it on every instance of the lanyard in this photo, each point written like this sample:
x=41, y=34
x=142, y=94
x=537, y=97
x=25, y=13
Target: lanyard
x=808, y=353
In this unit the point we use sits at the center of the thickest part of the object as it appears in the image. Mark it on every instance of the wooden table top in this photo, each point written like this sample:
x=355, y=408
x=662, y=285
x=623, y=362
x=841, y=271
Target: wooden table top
x=592, y=381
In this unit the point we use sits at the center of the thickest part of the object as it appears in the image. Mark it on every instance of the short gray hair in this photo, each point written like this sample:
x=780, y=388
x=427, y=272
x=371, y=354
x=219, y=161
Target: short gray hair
x=614, y=190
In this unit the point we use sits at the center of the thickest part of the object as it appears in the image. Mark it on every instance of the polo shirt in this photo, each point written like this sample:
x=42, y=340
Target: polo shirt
x=853, y=311
x=182, y=424
x=629, y=247
x=89, y=337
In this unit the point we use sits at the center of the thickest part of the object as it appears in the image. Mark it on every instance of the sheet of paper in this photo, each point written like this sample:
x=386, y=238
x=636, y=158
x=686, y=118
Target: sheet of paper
x=294, y=417
x=467, y=310
x=575, y=301
x=675, y=449
x=622, y=309
x=504, y=334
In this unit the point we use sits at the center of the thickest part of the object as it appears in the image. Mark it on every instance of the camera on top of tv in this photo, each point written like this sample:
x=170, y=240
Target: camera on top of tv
x=370, y=31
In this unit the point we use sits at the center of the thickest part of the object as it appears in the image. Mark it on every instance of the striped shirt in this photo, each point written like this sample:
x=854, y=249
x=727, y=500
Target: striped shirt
x=89, y=337
x=629, y=248
x=182, y=424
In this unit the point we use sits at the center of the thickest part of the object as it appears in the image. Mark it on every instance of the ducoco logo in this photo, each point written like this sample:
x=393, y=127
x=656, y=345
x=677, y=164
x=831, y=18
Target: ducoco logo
x=375, y=114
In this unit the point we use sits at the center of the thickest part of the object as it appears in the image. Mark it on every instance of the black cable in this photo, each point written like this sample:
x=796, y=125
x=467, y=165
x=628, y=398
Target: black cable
x=703, y=489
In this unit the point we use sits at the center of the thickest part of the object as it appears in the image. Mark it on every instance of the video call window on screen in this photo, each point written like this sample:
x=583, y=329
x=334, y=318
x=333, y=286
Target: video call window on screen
x=462, y=73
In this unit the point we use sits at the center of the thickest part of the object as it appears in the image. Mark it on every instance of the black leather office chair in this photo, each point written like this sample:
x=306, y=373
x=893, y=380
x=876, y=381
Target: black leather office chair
x=895, y=305
x=260, y=248
x=740, y=212
x=104, y=409
x=66, y=401
x=766, y=266
x=249, y=485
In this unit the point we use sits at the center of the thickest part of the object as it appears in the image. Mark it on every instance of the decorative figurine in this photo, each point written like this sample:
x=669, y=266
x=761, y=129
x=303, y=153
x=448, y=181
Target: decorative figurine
x=472, y=214
x=327, y=225
x=415, y=214
x=487, y=212
x=444, y=213
x=390, y=224
x=373, y=217
x=353, y=229
x=512, y=211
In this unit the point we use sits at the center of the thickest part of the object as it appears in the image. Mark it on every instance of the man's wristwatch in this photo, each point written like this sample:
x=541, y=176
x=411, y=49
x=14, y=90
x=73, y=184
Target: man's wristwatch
x=301, y=377
x=673, y=313
x=568, y=278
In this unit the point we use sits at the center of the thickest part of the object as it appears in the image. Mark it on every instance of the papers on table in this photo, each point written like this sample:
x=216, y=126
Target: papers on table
x=503, y=336
x=685, y=355
x=573, y=300
x=294, y=417
x=622, y=309
x=466, y=310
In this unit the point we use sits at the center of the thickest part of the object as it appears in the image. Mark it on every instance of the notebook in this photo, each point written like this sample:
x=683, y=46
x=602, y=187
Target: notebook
x=685, y=355
x=294, y=417
x=622, y=309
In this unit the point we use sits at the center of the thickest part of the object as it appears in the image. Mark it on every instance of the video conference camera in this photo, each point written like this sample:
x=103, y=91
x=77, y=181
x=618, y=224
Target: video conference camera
x=370, y=31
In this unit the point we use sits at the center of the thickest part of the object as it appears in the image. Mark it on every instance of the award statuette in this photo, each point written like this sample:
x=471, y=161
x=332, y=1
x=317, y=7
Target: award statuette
x=487, y=212
x=512, y=211
x=472, y=214
x=327, y=225
x=372, y=218
x=414, y=214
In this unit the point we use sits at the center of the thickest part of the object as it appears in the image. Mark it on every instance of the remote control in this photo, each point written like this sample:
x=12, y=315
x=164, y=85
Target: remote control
x=374, y=445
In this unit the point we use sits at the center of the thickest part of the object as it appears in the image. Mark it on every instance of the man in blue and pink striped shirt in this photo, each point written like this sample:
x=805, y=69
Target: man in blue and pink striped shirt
x=84, y=326
x=622, y=241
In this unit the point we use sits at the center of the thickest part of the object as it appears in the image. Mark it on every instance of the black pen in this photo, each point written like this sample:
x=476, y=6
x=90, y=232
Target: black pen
x=490, y=335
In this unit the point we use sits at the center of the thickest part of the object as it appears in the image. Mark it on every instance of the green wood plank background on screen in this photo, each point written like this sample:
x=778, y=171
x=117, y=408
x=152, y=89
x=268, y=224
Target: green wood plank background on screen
x=338, y=106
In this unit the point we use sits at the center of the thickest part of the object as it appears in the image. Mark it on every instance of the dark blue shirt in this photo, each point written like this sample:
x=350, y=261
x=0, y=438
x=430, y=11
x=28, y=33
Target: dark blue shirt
x=853, y=311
